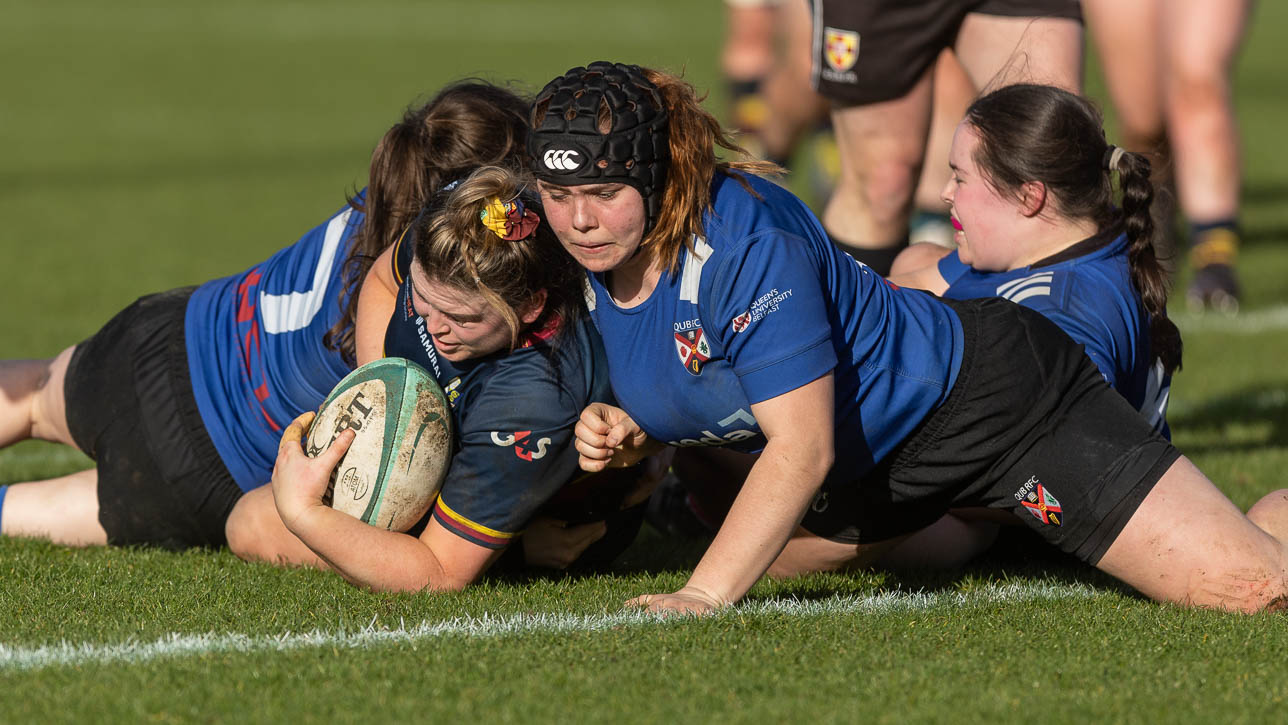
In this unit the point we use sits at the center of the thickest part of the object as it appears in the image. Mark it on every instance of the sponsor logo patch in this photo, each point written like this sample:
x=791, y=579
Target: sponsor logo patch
x=523, y=444
x=693, y=349
x=453, y=391
x=1039, y=501
x=561, y=159
x=741, y=322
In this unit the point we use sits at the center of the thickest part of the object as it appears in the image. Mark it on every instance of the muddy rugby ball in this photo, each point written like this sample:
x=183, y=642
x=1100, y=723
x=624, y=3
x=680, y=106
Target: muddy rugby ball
x=392, y=472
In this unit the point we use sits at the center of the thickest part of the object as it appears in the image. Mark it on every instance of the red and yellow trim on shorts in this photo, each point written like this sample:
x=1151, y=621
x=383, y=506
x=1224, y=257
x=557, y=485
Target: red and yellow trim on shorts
x=463, y=527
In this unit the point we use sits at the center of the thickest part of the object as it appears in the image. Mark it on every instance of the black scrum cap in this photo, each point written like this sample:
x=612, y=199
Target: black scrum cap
x=567, y=147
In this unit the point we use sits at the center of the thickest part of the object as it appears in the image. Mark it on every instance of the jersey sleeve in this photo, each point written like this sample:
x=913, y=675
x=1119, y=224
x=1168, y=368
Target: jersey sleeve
x=951, y=267
x=400, y=260
x=515, y=453
x=769, y=309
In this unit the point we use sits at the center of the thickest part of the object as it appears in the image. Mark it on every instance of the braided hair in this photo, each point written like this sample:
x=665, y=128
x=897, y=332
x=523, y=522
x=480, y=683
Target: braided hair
x=1031, y=132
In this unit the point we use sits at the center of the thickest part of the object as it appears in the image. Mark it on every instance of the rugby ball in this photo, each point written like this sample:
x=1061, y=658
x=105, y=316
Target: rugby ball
x=392, y=472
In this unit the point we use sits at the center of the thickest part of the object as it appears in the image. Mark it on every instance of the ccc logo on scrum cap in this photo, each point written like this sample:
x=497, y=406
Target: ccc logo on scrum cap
x=561, y=159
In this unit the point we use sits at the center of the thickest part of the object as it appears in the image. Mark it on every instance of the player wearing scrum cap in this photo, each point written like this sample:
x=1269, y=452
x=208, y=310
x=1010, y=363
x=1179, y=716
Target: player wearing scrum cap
x=730, y=320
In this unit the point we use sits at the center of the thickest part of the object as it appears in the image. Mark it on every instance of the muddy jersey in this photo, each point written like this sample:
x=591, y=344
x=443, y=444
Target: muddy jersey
x=255, y=351
x=1087, y=291
x=762, y=304
x=514, y=414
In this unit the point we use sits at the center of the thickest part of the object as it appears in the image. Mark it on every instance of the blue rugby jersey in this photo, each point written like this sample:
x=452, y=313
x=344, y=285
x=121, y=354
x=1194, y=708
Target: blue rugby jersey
x=255, y=352
x=514, y=413
x=763, y=305
x=1087, y=291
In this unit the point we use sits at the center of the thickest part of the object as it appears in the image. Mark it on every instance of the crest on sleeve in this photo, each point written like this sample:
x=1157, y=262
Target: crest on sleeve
x=741, y=322
x=693, y=349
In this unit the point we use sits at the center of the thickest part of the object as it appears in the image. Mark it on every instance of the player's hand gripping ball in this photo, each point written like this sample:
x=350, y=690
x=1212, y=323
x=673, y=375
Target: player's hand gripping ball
x=392, y=472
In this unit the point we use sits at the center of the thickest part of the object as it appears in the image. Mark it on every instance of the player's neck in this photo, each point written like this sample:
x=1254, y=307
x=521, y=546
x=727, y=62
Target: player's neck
x=1047, y=237
x=632, y=283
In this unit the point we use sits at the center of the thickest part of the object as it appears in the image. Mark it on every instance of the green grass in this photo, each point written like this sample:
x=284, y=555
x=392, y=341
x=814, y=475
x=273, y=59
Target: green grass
x=150, y=145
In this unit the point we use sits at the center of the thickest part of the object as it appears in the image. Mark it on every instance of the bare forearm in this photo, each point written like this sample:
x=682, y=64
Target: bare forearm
x=766, y=512
x=370, y=557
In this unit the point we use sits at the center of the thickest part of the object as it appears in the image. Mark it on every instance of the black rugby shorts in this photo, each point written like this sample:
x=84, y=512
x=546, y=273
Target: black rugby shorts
x=130, y=407
x=1030, y=427
x=867, y=51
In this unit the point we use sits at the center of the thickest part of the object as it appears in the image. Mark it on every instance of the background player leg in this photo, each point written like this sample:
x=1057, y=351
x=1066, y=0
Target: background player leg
x=997, y=51
x=31, y=400
x=1126, y=37
x=63, y=510
x=1187, y=543
x=953, y=93
x=1200, y=41
x=881, y=147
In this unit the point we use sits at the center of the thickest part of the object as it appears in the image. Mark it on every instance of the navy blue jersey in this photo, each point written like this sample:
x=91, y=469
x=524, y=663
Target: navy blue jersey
x=514, y=413
x=763, y=304
x=1087, y=291
x=255, y=352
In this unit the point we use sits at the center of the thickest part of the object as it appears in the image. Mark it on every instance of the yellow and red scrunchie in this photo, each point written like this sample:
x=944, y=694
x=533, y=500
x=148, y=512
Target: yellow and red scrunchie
x=509, y=220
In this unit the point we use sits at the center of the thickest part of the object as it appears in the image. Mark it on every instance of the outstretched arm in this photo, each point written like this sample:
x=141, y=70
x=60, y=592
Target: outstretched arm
x=772, y=502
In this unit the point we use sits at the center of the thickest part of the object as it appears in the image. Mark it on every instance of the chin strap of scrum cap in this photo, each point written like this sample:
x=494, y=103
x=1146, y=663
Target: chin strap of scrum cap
x=567, y=148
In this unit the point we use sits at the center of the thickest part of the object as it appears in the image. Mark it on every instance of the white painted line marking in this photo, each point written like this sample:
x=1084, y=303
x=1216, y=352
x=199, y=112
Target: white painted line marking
x=1253, y=322
x=67, y=654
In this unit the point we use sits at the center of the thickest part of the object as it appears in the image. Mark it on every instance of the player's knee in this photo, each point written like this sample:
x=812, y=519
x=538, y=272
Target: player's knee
x=888, y=188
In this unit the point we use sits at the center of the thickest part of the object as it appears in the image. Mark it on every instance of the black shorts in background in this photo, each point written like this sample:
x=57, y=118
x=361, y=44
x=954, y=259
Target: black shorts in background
x=1030, y=427
x=868, y=51
x=130, y=407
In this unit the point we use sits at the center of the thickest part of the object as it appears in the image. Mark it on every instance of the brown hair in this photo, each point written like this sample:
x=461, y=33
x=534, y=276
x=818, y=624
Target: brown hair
x=1031, y=132
x=455, y=248
x=467, y=124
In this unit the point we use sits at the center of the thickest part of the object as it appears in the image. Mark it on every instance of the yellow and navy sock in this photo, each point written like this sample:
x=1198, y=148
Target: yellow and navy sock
x=1215, y=242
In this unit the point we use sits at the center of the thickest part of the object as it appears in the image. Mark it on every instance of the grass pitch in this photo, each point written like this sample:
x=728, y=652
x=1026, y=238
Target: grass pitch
x=151, y=145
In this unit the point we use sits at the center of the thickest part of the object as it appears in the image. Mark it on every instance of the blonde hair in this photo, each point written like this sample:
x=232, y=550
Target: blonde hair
x=455, y=248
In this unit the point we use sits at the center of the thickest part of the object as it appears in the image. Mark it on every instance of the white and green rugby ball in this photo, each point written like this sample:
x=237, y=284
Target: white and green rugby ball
x=391, y=474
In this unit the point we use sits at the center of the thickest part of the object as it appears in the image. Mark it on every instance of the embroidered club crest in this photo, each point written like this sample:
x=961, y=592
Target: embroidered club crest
x=741, y=322
x=693, y=350
x=1043, y=505
x=840, y=48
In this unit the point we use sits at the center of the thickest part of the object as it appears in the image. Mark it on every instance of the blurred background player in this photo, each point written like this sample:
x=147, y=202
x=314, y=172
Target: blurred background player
x=766, y=62
x=875, y=62
x=1167, y=66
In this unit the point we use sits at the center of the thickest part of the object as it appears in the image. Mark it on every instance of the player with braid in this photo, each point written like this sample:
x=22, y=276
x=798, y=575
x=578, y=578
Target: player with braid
x=729, y=319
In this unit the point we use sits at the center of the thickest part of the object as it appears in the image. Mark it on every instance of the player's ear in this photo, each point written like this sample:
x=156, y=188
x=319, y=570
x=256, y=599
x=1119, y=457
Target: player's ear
x=530, y=310
x=1033, y=198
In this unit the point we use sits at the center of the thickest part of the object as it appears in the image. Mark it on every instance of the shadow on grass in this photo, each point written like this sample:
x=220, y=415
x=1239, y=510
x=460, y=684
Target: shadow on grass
x=1208, y=428
x=1018, y=554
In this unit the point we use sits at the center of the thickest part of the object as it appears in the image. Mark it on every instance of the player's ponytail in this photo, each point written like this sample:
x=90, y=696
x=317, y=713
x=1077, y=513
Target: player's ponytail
x=466, y=125
x=694, y=136
x=1147, y=272
x=1031, y=132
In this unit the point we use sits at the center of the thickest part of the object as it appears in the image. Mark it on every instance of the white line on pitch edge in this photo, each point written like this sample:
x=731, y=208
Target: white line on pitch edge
x=1252, y=322
x=187, y=645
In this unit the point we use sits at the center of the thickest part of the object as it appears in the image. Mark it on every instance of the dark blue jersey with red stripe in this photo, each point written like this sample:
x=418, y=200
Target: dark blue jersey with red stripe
x=762, y=304
x=1087, y=291
x=255, y=351
x=514, y=413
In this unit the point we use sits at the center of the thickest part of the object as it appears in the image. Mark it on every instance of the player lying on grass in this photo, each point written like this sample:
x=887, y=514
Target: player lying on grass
x=479, y=292
x=729, y=319
x=1033, y=201
x=182, y=398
